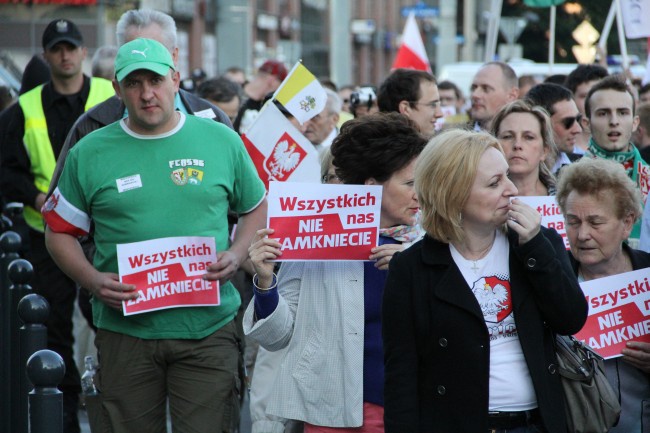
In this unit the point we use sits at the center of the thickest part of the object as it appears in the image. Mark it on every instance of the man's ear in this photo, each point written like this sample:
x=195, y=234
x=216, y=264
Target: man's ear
x=635, y=123
x=116, y=87
x=404, y=107
x=176, y=78
x=513, y=94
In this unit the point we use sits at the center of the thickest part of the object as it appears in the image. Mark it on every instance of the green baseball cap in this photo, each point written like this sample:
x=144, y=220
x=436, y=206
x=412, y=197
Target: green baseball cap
x=142, y=54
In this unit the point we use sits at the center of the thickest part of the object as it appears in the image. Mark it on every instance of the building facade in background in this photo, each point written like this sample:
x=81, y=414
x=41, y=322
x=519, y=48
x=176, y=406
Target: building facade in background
x=348, y=41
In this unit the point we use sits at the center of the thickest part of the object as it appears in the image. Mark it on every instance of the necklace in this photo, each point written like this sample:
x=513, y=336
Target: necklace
x=476, y=266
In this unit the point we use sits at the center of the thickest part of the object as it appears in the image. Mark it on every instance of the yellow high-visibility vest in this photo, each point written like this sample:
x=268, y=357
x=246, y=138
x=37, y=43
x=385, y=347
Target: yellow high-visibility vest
x=37, y=141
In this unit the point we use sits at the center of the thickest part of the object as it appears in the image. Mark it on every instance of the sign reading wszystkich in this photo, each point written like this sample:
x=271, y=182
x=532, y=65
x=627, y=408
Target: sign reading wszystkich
x=167, y=273
x=619, y=311
x=324, y=222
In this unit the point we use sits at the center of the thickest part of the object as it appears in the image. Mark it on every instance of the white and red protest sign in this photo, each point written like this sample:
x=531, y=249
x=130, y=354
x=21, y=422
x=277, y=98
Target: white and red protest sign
x=619, y=311
x=279, y=151
x=324, y=222
x=552, y=217
x=167, y=273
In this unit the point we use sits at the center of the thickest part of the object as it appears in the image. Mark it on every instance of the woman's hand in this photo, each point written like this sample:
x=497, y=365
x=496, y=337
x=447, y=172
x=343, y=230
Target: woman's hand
x=524, y=220
x=261, y=252
x=637, y=354
x=383, y=253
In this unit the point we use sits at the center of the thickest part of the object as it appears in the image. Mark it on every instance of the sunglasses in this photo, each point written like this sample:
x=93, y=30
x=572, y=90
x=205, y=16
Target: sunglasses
x=567, y=122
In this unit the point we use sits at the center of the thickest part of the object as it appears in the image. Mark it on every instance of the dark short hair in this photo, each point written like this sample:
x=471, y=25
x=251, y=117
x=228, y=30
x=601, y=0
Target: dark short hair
x=218, y=89
x=611, y=82
x=556, y=79
x=401, y=85
x=375, y=146
x=584, y=74
x=546, y=95
x=448, y=85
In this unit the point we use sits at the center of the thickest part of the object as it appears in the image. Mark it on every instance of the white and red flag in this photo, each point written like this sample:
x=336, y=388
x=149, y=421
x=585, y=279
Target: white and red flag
x=279, y=151
x=411, y=54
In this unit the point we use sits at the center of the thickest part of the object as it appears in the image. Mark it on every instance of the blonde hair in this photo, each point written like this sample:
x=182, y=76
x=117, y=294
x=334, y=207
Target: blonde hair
x=546, y=130
x=444, y=176
x=600, y=177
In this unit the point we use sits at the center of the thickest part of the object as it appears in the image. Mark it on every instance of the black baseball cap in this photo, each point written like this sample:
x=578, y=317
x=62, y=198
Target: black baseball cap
x=61, y=30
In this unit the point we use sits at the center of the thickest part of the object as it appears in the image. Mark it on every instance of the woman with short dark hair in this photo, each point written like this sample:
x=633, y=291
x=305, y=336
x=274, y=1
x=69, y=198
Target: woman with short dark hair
x=327, y=313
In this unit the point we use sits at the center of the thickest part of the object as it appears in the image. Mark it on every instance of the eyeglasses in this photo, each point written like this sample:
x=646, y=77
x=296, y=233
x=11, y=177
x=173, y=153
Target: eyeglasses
x=329, y=178
x=567, y=122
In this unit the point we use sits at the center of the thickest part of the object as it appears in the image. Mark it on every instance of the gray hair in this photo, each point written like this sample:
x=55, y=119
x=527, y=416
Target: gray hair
x=103, y=63
x=143, y=18
x=334, y=103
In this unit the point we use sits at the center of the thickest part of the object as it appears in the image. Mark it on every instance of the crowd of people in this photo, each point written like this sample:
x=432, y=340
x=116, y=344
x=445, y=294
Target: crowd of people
x=448, y=326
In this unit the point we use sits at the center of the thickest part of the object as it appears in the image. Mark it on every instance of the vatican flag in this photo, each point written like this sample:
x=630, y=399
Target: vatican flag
x=301, y=94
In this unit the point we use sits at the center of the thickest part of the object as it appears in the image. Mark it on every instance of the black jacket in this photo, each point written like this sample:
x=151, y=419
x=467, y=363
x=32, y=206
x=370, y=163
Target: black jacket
x=436, y=342
x=111, y=111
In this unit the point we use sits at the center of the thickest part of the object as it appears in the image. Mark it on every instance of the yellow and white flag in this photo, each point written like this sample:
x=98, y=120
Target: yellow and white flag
x=301, y=94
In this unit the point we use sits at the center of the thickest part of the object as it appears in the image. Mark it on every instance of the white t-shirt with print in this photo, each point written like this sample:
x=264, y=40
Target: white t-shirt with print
x=511, y=388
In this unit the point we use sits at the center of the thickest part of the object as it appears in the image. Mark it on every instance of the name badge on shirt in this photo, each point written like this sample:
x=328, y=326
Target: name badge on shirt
x=128, y=183
x=208, y=113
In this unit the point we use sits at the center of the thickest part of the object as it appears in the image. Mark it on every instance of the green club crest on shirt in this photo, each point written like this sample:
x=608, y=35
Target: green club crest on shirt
x=187, y=175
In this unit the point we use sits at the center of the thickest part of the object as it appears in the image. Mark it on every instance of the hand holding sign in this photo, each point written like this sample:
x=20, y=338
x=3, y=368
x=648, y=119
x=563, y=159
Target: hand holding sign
x=383, y=253
x=224, y=268
x=107, y=288
x=637, y=353
x=262, y=252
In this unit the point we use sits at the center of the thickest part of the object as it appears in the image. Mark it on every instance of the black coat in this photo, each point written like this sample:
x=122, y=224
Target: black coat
x=436, y=342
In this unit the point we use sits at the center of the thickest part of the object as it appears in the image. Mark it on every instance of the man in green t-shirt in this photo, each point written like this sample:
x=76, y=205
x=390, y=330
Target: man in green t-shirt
x=158, y=176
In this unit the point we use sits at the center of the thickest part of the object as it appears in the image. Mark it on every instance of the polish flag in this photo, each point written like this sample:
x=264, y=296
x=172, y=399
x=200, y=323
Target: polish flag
x=411, y=54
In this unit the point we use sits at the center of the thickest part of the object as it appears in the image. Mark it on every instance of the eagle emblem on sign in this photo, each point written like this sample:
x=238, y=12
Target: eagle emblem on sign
x=285, y=157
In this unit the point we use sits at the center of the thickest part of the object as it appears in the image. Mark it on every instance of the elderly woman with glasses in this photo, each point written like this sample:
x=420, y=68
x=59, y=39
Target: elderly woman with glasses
x=600, y=205
x=525, y=134
x=471, y=311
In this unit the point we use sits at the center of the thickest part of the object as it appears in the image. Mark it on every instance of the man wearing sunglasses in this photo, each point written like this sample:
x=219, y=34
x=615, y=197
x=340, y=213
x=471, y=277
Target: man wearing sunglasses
x=565, y=119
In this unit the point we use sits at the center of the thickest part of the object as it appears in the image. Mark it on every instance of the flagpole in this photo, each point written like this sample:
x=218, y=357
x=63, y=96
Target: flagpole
x=602, y=43
x=621, y=35
x=551, y=42
x=493, y=30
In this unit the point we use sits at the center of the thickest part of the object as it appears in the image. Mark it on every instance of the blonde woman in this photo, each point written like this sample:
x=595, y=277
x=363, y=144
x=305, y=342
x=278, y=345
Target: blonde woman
x=526, y=135
x=471, y=311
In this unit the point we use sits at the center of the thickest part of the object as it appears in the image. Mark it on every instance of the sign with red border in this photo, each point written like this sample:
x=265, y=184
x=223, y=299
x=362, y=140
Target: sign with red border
x=619, y=311
x=324, y=222
x=168, y=273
